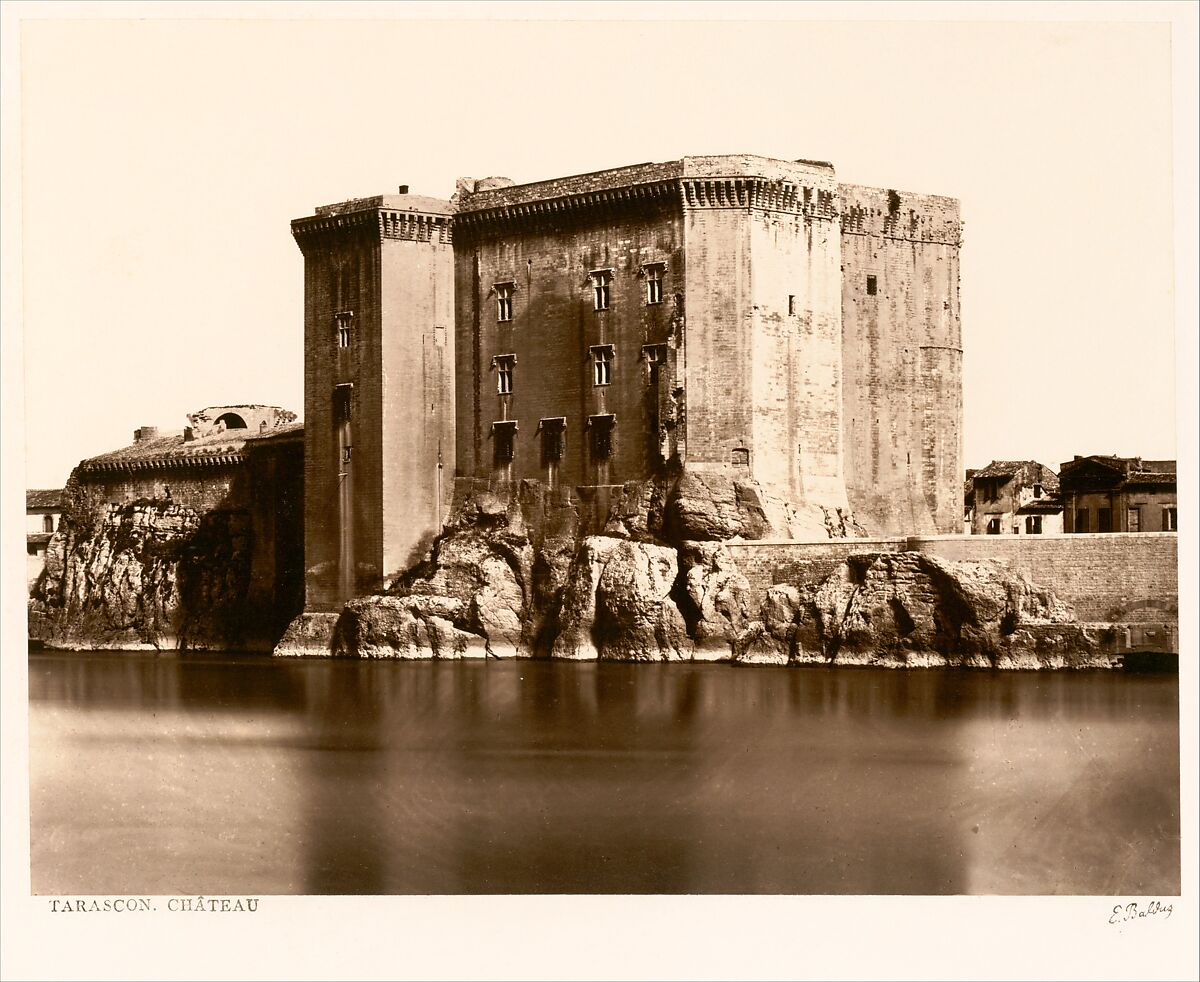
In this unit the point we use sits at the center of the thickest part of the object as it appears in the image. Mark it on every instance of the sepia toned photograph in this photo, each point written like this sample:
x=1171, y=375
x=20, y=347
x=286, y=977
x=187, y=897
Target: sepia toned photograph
x=563, y=455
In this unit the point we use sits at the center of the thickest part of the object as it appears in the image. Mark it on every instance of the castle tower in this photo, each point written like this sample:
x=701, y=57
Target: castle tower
x=902, y=358
x=378, y=389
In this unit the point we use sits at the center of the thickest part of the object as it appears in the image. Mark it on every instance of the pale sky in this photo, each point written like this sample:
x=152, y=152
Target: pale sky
x=162, y=161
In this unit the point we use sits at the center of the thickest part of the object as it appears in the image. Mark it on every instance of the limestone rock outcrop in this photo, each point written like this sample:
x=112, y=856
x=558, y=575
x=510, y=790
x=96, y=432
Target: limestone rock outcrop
x=909, y=609
x=514, y=577
x=617, y=604
x=712, y=506
x=150, y=574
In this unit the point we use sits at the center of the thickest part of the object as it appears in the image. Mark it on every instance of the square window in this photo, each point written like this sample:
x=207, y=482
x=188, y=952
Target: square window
x=601, y=284
x=504, y=301
x=1033, y=525
x=504, y=365
x=602, y=358
x=993, y=526
x=872, y=286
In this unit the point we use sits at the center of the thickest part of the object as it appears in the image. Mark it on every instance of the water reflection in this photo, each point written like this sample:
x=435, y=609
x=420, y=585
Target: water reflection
x=517, y=777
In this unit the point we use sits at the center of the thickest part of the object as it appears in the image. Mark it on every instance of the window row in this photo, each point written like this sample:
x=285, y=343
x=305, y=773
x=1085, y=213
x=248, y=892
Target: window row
x=600, y=282
x=552, y=433
x=600, y=356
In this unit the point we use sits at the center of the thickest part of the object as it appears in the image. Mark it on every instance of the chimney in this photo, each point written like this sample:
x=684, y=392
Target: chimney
x=145, y=433
x=404, y=189
x=188, y=434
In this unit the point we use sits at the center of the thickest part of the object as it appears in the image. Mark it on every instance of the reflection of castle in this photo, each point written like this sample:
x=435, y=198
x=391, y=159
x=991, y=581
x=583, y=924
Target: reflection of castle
x=737, y=314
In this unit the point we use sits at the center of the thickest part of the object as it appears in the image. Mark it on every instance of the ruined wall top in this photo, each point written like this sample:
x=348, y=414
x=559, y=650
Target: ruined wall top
x=894, y=214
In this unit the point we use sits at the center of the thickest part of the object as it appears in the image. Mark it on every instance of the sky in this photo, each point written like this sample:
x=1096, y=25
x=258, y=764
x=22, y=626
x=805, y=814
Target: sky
x=162, y=160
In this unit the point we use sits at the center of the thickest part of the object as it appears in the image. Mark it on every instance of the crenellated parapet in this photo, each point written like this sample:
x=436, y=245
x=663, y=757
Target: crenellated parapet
x=760, y=194
x=406, y=217
x=902, y=215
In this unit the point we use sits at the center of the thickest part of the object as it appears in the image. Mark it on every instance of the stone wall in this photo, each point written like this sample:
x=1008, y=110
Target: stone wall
x=200, y=556
x=902, y=360
x=553, y=327
x=1121, y=577
x=1126, y=577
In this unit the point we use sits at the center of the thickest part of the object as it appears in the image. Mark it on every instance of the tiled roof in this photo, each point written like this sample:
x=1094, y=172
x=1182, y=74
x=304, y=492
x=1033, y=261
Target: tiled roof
x=1028, y=472
x=1108, y=471
x=43, y=498
x=1041, y=506
x=173, y=451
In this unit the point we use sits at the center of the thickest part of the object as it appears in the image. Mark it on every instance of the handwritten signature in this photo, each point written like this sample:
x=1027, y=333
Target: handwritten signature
x=1123, y=913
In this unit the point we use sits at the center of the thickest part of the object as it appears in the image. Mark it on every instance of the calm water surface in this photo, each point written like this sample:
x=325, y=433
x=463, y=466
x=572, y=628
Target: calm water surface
x=167, y=774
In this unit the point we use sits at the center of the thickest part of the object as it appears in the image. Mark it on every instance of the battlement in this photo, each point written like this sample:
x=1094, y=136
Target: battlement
x=899, y=214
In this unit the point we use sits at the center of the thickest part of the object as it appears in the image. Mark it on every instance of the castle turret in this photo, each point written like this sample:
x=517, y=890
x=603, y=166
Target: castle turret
x=378, y=389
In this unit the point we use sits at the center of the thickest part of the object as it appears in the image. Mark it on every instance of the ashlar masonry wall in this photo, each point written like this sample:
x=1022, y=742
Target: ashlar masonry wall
x=902, y=360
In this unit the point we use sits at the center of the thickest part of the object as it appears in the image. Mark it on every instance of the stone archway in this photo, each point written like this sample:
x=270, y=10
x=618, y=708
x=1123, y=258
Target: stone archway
x=232, y=421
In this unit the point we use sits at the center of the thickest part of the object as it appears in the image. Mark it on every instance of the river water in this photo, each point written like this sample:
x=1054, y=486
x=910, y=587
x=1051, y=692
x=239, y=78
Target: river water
x=168, y=774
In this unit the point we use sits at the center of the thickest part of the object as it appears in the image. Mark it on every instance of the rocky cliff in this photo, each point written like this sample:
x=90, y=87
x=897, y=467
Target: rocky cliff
x=517, y=575
x=149, y=574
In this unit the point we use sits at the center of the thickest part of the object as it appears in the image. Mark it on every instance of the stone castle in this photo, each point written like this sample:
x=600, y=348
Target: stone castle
x=734, y=316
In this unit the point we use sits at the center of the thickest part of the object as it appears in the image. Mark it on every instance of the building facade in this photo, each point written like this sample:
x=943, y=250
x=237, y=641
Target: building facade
x=43, y=509
x=1014, y=497
x=1119, y=494
x=736, y=314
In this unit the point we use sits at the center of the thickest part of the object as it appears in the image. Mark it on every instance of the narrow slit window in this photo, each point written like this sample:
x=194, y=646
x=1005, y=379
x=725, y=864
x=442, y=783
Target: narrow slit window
x=872, y=286
x=504, y=365
x=1170, y=520
x=602, y=359
x=655, y=356
x=791, y=305
x=504, y=301
x=342, y=403
x=601, y=288
x=654, y=283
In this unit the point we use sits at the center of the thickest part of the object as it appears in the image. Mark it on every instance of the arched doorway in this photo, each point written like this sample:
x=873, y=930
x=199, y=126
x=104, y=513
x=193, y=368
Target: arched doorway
x=232, y=421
